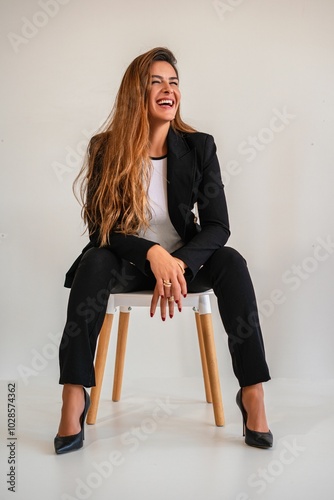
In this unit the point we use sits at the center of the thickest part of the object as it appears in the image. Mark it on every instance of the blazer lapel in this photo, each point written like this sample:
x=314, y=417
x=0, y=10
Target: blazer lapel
x=181, y=170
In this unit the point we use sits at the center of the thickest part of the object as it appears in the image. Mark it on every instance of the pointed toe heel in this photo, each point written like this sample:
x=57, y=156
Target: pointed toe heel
x=65, y=444
x=253, y=438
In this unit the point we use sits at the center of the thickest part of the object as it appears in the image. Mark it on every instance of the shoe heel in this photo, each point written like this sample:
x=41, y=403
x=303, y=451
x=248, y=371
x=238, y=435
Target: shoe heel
x=243, y=412
x=87, y=405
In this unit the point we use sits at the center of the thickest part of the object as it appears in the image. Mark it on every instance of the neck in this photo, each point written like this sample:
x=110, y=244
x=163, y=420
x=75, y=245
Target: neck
x=158, y=140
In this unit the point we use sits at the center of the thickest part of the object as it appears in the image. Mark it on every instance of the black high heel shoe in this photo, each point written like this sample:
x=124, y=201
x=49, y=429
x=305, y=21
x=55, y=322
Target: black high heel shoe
x=64, y=444
x=253, y=438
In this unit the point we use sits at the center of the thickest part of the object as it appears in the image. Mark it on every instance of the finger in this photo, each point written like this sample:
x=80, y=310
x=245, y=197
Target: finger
x=179, y=304
x=154, y=301
x=183, y=285
x=160, y=287
x=171, y=305
x=167, y=288
x=179, y=287
x=163, y=303
x=179, y=291
x=176, y=291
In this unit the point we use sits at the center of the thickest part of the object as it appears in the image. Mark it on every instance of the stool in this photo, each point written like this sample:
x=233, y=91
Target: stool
x=200, y=303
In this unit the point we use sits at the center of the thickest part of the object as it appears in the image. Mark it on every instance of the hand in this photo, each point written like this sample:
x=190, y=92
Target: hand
x=165, y=267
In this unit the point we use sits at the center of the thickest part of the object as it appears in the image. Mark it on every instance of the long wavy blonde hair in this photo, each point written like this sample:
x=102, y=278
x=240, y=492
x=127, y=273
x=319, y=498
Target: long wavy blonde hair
x=115, y=176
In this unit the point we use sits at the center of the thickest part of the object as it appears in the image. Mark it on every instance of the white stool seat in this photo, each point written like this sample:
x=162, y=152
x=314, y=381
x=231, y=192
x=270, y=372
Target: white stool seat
x=200, y=302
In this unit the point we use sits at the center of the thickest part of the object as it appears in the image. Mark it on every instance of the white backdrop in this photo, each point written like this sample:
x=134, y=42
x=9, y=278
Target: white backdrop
x=256, y=74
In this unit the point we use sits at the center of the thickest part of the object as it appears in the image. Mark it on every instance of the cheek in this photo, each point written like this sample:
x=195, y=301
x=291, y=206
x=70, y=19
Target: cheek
x=151, y=103
x=150, y=95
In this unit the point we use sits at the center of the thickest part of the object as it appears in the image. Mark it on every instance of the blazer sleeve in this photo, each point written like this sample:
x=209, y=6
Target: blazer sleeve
x=129, y=247
x=212, y=209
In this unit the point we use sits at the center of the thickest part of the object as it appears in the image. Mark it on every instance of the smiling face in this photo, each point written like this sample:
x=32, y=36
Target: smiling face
x=164, y=94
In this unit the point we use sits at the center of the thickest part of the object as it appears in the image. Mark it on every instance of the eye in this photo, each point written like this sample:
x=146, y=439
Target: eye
x=155, y=81
x=174, y=83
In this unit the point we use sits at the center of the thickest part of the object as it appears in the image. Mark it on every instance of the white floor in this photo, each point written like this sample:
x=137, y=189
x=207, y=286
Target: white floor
x=160, y=442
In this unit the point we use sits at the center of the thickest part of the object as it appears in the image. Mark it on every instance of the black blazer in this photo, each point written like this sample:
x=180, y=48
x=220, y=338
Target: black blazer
x=193, y=176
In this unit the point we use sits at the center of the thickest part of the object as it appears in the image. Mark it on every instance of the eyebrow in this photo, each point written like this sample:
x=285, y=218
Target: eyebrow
x=161, y=77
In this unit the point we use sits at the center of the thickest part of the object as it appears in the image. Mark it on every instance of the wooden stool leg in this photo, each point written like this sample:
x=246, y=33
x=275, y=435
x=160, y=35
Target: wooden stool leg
x=206, y=378
x=120, y=354
x=100, y=363
x=211, y=358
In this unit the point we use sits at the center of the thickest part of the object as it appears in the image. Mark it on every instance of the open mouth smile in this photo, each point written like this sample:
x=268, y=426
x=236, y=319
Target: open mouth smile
x=166, y=103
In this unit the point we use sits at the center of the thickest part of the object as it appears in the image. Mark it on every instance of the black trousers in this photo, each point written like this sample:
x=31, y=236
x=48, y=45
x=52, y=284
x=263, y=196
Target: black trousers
x=100, y=273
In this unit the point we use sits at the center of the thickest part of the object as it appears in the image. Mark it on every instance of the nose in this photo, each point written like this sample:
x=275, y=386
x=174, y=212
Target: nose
x=168, y=88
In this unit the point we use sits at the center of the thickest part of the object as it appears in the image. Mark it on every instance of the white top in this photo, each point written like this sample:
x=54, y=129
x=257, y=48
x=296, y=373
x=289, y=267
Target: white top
x=161, y=229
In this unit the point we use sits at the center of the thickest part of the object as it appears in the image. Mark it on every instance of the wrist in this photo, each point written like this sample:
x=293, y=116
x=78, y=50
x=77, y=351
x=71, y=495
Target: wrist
x=152, y=250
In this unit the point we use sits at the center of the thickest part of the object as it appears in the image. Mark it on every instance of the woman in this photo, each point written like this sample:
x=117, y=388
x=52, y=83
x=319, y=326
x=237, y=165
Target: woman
x=143, y=176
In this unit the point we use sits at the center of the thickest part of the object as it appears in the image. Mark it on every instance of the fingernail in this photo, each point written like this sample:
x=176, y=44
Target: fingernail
x=151, y=314
x=180, y=309
x=176, y=302
x=171, y=315
x=163, y=319
x=185, y=295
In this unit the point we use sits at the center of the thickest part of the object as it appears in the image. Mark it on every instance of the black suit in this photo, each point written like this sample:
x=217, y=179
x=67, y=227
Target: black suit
x=193, y=176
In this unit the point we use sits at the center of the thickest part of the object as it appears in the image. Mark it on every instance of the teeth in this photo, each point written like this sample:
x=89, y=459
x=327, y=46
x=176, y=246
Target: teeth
x=166, y=101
